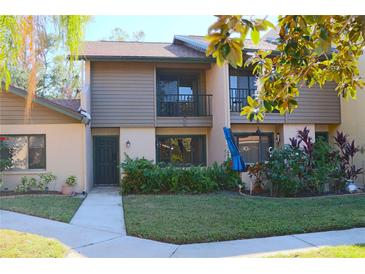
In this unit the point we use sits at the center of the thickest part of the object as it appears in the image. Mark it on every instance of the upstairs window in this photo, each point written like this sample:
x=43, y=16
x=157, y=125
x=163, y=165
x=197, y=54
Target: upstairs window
x=25, y=151
x=177, y=86
x=243, y=82
x=241, y=85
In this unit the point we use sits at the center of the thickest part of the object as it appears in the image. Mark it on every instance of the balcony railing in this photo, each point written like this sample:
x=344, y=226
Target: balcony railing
x=238, y=98
x=184, y=105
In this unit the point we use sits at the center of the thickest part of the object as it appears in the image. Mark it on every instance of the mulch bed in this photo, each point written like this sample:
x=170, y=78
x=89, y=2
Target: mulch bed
x=302, y=195
x=35, y=193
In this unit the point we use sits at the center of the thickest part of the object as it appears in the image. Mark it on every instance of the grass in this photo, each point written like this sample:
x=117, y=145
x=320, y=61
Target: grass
x=228, y=216
x=59, y=208
x=14, y=244
x=343, y=251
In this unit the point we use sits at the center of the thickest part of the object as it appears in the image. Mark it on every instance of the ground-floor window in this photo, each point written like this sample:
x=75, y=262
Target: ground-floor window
x=181, y=150
x=254, y=147
x=25, y=151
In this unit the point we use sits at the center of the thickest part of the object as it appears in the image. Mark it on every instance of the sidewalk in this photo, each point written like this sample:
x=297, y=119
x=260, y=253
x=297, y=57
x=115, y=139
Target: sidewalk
x=97, y=231
x=102, y=210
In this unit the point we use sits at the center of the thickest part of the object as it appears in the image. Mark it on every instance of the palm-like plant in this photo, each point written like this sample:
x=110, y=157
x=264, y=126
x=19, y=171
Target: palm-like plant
x=348, y=151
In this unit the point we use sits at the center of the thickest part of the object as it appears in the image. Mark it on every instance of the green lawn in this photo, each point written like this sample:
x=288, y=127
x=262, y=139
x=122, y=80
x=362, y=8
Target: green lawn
x=59, y=208
x=344, y=251
x=14, y=244
x=229, y=216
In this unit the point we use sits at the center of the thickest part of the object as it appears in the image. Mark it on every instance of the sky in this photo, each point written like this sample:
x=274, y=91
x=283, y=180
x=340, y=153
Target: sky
x=156, y=28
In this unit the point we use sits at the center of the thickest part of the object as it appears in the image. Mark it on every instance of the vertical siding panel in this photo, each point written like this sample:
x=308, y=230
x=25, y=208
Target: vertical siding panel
x=317, y=105
x=122, y=94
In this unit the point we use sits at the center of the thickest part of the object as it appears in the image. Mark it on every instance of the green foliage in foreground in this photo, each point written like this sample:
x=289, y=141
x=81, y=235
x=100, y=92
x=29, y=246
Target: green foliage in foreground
x=343, y=251
x=59, y=208
x=304, y=56
x=229, y=216
x=142, y=176
x=14, y=244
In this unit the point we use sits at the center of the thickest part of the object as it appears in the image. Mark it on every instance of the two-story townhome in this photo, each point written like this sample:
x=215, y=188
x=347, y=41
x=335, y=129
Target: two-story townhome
x=169, y=102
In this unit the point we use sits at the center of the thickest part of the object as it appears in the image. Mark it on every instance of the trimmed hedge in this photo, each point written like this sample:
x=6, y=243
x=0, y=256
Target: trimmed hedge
x=142, y=176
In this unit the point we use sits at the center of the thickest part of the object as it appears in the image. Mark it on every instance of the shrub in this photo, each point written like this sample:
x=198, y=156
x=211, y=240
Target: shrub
x=307, y=166
x=226, y=178
x=325, y=166
x=71, y=181
x=26, y=184
x=142, y=176
x=135, y=173
x=45, y=180
x=286, y=169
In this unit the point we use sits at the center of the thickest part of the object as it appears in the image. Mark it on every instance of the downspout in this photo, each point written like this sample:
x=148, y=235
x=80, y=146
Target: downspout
x=86, y=118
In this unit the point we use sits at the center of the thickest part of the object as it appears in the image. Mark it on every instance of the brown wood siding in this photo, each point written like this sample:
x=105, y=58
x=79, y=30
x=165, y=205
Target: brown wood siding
x=122, y=94
x=206, y=121
x=12, y=109
x=317, y=105
x=270, y=118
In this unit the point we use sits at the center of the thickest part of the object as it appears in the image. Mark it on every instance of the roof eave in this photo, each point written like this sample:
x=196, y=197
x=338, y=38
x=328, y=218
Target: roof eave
x=202, y=47
x=147, y=59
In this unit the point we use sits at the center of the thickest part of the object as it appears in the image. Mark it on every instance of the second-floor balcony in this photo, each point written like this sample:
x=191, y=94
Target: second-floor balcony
x=238, y=98
x=195, y=105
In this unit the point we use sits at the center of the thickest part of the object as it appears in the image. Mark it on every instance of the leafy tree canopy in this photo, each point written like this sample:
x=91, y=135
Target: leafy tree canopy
x=311, y=50
x=25, y=40
x=118, y=34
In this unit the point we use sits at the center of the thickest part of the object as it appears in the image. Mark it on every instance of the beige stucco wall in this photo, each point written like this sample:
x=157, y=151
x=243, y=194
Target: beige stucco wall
x=253, y=128
x=322, y=128
x=105, y=131
x=353, y=121
x=142, y=143
x=217, y=84
x=290, y=130
x=65, y=153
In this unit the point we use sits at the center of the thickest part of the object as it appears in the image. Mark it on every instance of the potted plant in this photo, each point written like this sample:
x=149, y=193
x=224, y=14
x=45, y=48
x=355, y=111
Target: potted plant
x=67, y=189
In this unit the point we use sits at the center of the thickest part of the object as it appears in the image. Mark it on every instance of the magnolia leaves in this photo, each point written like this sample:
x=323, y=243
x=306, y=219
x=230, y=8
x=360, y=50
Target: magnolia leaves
x=226, y=37
x=253, y=110
x=230, y=50
x=311, y=50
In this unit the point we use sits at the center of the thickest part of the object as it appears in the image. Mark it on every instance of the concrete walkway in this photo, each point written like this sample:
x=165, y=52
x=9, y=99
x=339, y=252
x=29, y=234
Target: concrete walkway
x=101, y=210
x=97, y=230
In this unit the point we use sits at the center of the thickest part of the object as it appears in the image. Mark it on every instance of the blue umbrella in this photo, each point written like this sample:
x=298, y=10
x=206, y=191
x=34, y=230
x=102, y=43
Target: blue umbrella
x=238, y=164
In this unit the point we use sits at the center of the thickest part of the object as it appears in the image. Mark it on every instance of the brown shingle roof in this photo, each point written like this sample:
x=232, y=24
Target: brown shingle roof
x=249, y=45
x=138, y=49
x=72, y=104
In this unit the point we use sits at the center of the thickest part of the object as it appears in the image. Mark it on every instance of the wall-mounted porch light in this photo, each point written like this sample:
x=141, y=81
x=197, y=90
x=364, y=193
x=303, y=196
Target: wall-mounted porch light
x=277, y=138
x=128, y=144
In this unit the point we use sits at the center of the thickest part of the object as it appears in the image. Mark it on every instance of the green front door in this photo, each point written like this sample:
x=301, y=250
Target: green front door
x=106, y=160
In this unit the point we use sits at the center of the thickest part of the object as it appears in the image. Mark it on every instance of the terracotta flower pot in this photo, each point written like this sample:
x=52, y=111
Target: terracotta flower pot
x=67, y=190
